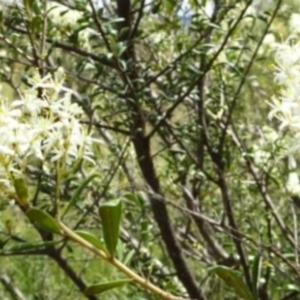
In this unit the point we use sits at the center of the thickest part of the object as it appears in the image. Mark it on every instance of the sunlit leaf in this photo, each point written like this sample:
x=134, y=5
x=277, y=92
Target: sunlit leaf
x=110, y=213
x=102, y=287
x=256, y=268
x=21, y=191
x=43, y=219
x=234, y=280
x=90, y=238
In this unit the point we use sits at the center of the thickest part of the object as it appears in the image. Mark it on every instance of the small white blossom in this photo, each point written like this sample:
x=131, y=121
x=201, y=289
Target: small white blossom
x=63, y=16
x=262, y=149
x=29, y=104
x=294, y=23
x=293, y=184
x=287, y=59
x=48, y=130
x=259, y=6
x=6, y=151
x=286, y=107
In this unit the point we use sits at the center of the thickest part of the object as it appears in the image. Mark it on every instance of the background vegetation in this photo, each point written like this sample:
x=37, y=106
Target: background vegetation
x=169, y=144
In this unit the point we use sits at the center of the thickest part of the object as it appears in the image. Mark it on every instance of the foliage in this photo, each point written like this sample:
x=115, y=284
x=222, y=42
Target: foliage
x=149, y=149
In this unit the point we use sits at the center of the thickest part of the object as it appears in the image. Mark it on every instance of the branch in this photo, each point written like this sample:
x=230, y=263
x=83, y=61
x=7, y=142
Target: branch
x=119, y=265
x=14, y=292
x=69, y=271
x=70, y=48
x=236, y=237
x=142, y=148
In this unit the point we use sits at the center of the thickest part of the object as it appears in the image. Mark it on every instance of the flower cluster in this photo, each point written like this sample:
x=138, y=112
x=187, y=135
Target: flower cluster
x=43, y=129
x=66, y=20
x=286, y=106
x=63, y=16
x=294, y=23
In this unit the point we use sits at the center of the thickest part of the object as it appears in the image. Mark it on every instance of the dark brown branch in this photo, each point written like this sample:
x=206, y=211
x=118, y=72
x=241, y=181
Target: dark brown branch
x=236, y=237
x=56, y=255
x=217, y=159
x=103, y=126
x=138, y=20
x=215, y=249
x=286, y=231
x=69, y=271
x=230, y=231
x=142, y=148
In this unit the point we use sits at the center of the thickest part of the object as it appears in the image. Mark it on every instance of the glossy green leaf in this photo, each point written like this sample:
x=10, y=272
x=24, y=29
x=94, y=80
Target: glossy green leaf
x=110, y=213
x=256, y=268
x=43, y=219
x=21, y=191
x=234, y=280
x=90, y=238
x=78, y=192
x=102, y=287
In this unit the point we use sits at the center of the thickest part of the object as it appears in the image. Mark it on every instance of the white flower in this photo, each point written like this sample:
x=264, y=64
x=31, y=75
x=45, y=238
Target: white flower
x=85, y=35
x=48, y=130
x=261, y=157
x=30, y=104
x=293, y=184
x=63, y=16
x=287, y=59
x=44, y=129
x=286, y=107
x=294, y=23
x=7, y=4
x=258, y=6
x=270, y=40
x=6, y=151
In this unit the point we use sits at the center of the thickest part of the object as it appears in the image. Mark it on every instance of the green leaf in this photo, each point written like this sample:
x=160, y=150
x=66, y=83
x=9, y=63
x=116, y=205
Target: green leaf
x=156, y=7
x=110, y=213
x=21, y=191
x=256, y=268
x=102, y=287
x=78, y=192
x=30, y=246
x=43, y=219
x=90, y=238
x=28, y=4
x=233, y=279
x=3, y=243
x=120, y=249
x=139, y=197
x=36, y=24
x=128, y=257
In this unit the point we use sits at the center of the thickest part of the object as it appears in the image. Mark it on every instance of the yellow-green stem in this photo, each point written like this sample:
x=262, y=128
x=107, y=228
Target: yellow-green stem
x=119, y=265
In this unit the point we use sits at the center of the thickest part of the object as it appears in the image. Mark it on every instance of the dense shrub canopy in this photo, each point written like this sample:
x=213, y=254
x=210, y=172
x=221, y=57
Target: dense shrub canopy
x=149, y=148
